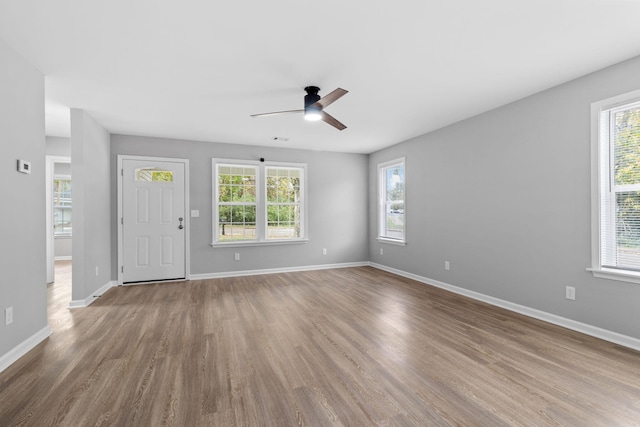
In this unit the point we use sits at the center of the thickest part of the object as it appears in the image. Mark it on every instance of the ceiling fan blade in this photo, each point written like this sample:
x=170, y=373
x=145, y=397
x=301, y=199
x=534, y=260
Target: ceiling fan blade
x=330, y=98
x=277, y=112
x=328, y=118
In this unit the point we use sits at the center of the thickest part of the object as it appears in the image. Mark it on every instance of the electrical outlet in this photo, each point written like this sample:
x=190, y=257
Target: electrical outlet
x=324, y=251
x=8, y=315
x=570, y=293
x=447, y=266
x=97, y=271
x=237, y=257
x=381, y=251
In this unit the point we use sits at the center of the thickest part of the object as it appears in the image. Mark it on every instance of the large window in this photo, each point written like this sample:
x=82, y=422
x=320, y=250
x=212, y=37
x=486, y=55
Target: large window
x=391, y=207
x=257, y=202
x=62, y=206
x=616, y=251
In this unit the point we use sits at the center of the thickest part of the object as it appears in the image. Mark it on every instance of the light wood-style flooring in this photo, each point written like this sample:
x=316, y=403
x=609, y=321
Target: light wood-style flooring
x=342, y=347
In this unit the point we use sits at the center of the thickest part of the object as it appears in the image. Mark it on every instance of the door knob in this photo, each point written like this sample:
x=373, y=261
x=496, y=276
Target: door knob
x=181, y=226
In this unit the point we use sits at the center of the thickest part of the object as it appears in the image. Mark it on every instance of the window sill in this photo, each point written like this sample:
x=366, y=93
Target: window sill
x=619, y=275
x=392, y=241
x=258, y=243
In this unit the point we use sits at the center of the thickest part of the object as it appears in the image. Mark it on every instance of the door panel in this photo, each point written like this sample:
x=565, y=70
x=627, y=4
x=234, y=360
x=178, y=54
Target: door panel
x=142, y=205
x=142, y=250
x=153, y=209
x=167, y=206
x=167, y=250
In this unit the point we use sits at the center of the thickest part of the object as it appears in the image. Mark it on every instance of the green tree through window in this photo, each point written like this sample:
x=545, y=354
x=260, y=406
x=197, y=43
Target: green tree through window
x=236, y=202
x=283, y=203
x=627, y=173
x=258, y=202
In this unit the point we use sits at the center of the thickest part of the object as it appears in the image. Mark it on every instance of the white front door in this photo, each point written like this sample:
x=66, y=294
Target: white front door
x=153, y=220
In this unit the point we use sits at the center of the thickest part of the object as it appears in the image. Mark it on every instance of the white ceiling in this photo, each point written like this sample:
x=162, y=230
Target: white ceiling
x=196, y=69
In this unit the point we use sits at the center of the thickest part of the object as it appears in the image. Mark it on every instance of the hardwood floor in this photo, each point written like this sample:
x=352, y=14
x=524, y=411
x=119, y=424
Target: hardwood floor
x=343, y=347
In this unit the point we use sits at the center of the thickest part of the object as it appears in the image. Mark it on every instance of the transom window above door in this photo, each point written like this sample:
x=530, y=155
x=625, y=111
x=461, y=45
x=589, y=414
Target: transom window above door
x=153, y=175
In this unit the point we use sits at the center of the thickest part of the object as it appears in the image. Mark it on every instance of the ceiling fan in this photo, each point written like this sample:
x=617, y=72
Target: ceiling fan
x=314, y=106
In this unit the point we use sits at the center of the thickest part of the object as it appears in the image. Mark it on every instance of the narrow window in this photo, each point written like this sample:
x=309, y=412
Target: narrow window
x=391, y=210
x=617, y=228
x=62, y=207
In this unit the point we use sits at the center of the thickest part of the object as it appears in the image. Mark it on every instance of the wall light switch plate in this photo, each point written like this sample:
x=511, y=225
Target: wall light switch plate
x=8, y=315
x=195, y=213
x=570, y=293
x=24, y=166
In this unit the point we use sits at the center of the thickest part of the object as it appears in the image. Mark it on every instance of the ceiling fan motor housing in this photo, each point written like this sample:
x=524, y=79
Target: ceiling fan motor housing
x=312, y=96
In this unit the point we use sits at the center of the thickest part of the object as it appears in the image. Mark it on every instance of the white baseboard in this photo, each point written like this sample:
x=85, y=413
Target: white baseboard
x=89, y=300
x=24, y=347
x=62, y=258
x=275, y=270
x=584, y=328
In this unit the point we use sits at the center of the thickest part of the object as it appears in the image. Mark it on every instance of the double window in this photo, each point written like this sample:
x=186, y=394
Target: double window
x=616, y=206
x=391, y=207
x=256, y=202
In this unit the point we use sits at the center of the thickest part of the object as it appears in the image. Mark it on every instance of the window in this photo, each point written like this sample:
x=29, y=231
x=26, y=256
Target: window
x=391, y=209
x=256, y=202
x=616, y=236
x=236, y=198
x=62, y=207
x=153, y=175
x=284, y=207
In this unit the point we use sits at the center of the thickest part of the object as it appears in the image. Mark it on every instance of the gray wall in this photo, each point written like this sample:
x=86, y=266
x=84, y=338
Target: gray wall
x=22, y=246
x=505, y=197
x=91, y=171
x=58, y=146
x=337, y=204
x=62, y=247
x=63, y=169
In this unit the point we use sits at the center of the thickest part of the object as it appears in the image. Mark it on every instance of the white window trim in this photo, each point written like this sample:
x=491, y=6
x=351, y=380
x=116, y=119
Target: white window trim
x=390, y=241
x=214, y=189
x=596, y=176
x=261, y=205
x=381, y=203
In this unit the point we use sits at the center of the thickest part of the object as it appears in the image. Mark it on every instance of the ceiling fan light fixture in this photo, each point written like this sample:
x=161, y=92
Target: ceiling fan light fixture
x=312, y=114
x=314, y=107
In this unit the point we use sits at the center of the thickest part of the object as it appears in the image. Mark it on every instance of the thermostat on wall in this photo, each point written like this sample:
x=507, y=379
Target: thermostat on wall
x=24, y=166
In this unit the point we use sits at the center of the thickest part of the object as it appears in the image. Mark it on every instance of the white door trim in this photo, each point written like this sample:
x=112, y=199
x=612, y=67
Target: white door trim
x=121, y=158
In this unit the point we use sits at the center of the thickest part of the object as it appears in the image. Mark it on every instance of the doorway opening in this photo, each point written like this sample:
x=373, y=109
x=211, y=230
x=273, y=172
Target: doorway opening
x=59, y=202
